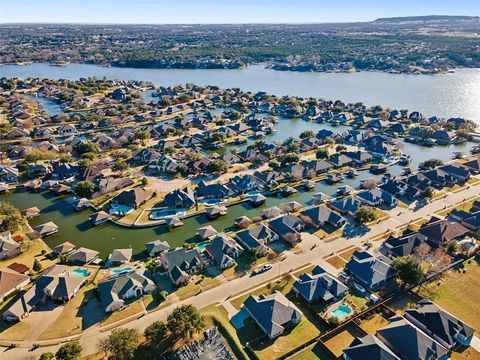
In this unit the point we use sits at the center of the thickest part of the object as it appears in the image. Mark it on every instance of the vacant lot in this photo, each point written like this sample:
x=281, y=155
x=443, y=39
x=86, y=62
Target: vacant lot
x=458, y=293
x=402, y=303
x=336, y=261
x=374, y=323
x=343, y=340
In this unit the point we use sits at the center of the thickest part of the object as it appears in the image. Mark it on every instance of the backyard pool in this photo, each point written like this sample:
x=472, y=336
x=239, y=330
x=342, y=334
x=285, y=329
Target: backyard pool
x=80, y=272
x=201, y=246
x=119, y=209
x=165, y=214
x=341, y=311
x=121, y=271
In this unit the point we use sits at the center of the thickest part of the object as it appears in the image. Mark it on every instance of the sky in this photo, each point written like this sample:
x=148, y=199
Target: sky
x=224, y=11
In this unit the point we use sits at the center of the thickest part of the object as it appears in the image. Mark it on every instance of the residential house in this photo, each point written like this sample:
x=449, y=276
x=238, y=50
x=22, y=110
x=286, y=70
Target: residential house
x=348, y=205
x=184, y=198
x=64, y=248
x=8, y=247
x=369, y=270
x=472, y=165
x=181, y=264
x=133, y=198
x=368, y=347
x=404, y=244
x=272, y=313
x=287, y=227
x=340, y=160
x=11, y=281
x=318, y=216
x=439, y=232
x=359, y=157
x=120, y=256
x=256, y=238
x=319, y=286
x=9, y=174
x=46, y=229
x=223, y=250
x=375, y=197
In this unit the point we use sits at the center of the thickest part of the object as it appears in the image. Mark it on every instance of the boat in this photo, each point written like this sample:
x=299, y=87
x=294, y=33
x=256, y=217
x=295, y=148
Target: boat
x=475, y=150
x=377, y=169
x=351, y=173
x=458, y=155
x=333, y=178
x=405, y=159
x=308, y=185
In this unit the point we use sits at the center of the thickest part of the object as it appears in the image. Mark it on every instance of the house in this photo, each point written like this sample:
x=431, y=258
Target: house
x=369, y=270
x=120, y=256
x=403, y=245
x=8, y=247
x=64, y=248
x=409, y=342
x=46, y=229
x=214, y=191
x=368, y=347
x=272, y=313
x=207, y=232
x=223, y=250
x=396, y=187
x=377, y=197
x=318, y=216
x=359, y=157
x=440, y=325
x=287, y=227
x=11, y=281
x=319, y=286
x=9, y=174
x=473, y=165
x=83, y=256
x=114, y=292
x=348, y=205
x=64, y=171
x=66, y=129
x=439, y=232
x=459, y=172
x=255, y=238
x=184, y=198
x=340, y=160
x=100, y=217
x=133, y=198
x=156, y=247
x=181, y=264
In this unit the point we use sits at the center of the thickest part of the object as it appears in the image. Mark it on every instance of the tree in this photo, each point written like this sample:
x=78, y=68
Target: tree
x=70, y=351
x=37, y=266
x=307, y=134
x=408, y=270
x=427, y=193
x=144, y=181
x=10, y=218
x=370, y=183
x=365, y=214
x=120, y=166
x=451, y=247
x=47, y=356
x=87, y=147
x=185, y=321
x=142, y=135
x=84, y=188
x=121, y=343
x=218, y=166
x=340, y=148
x=431, y=164
x=322, y=154
x=155, y=332
x=329, y=141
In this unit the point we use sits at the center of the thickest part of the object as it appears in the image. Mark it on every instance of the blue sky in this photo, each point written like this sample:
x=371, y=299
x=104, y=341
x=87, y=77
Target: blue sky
x=224, y=11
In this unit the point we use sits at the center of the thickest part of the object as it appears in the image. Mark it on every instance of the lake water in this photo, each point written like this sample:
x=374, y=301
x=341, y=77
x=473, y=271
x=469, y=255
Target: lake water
x=447, y=95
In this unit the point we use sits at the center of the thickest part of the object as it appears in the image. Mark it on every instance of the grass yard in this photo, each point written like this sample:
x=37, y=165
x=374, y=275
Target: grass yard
x=134, y=308
x=313, y=352
x=336, y=261
x=464, y=353
x=347, y=254
x=28, y=256
x=376, y=322
x=458, y=293
x=15, y=332
x=402, y=303
x=358, y=301
x=273, y=349
x=284, y=286
x=343, y=340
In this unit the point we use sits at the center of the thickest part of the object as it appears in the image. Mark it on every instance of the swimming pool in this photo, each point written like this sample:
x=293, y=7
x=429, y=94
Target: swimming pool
x=80, y=272
x=119, y=209
x=201, y=246
x=341, y=311
x=165, y=214
x=121, y=271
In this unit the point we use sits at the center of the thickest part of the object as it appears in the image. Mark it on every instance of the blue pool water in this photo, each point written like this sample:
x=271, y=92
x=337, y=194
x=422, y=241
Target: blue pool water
x=121, y=271
x=201, y=246
x=120, y=209
x=80, y=272
x=341, y=311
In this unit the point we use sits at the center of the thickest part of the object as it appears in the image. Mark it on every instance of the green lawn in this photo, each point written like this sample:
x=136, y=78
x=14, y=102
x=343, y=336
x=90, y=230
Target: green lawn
x=458, y=293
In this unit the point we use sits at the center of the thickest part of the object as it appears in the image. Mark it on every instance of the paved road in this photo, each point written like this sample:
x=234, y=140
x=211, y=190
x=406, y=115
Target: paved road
x=90, y=337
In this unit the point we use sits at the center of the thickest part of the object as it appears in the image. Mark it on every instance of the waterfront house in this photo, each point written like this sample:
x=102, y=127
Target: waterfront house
x=214, y=191
x=11, y=281
x=100, y=217
x=180, y=198
x=46, y=229
x=319, y=286
x=64, y=248
x=359, y=157
x=473, y=165
x=318, y=166
x=119, y=257
x=375, y=197
x=9, y=174
x=439, y=232
x=181, y=264
x=440, y=325
x=114, y=292
x=207, y=232
x=458, y=171
x=8, y=247
x=287, y=227
x=133, y=198
x=368, y=347
x=340, y=160
x=156, y=247
x=64, y=171
x=348, y=205
x=256, y=238
x=223, y=250
x=443, y=137
x=318, y=216
x=272, y=313
x=83, y=256
x=407, y=340
x=369, y=270
x=439, y=178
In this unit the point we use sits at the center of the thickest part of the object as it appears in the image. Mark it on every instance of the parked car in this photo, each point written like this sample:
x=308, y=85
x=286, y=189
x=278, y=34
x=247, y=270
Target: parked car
x=262, y=269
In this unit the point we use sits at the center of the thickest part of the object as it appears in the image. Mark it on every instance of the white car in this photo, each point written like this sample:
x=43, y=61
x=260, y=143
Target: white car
x=262, y=269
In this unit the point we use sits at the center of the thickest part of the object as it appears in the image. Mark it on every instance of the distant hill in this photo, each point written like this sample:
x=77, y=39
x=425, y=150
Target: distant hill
x=428, y=18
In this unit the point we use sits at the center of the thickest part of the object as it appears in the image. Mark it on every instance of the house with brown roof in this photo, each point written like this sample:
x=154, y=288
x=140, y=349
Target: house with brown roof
x=439, y=232
x=10, y=281
x=133, y=198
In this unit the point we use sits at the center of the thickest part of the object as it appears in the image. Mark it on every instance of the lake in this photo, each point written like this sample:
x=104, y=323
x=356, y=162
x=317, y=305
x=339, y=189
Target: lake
x=447, y=95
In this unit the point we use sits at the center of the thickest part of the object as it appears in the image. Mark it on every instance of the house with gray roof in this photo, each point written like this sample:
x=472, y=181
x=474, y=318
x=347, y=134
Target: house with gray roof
x=288, y=228
x=319, y=286
x=8, y=247
x=114, y=292
x=375, y=197
x=368, y=347
x=440, y=325
x=223, y=250
x=272, y=313
x=318, y=216
x=369, y=270
x=181, y=264
x=83, y=256
x=46, y=229
x=120, y=256
x=256, y=237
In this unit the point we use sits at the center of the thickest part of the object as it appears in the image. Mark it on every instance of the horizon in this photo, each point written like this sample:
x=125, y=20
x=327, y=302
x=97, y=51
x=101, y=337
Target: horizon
x=219, y=12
